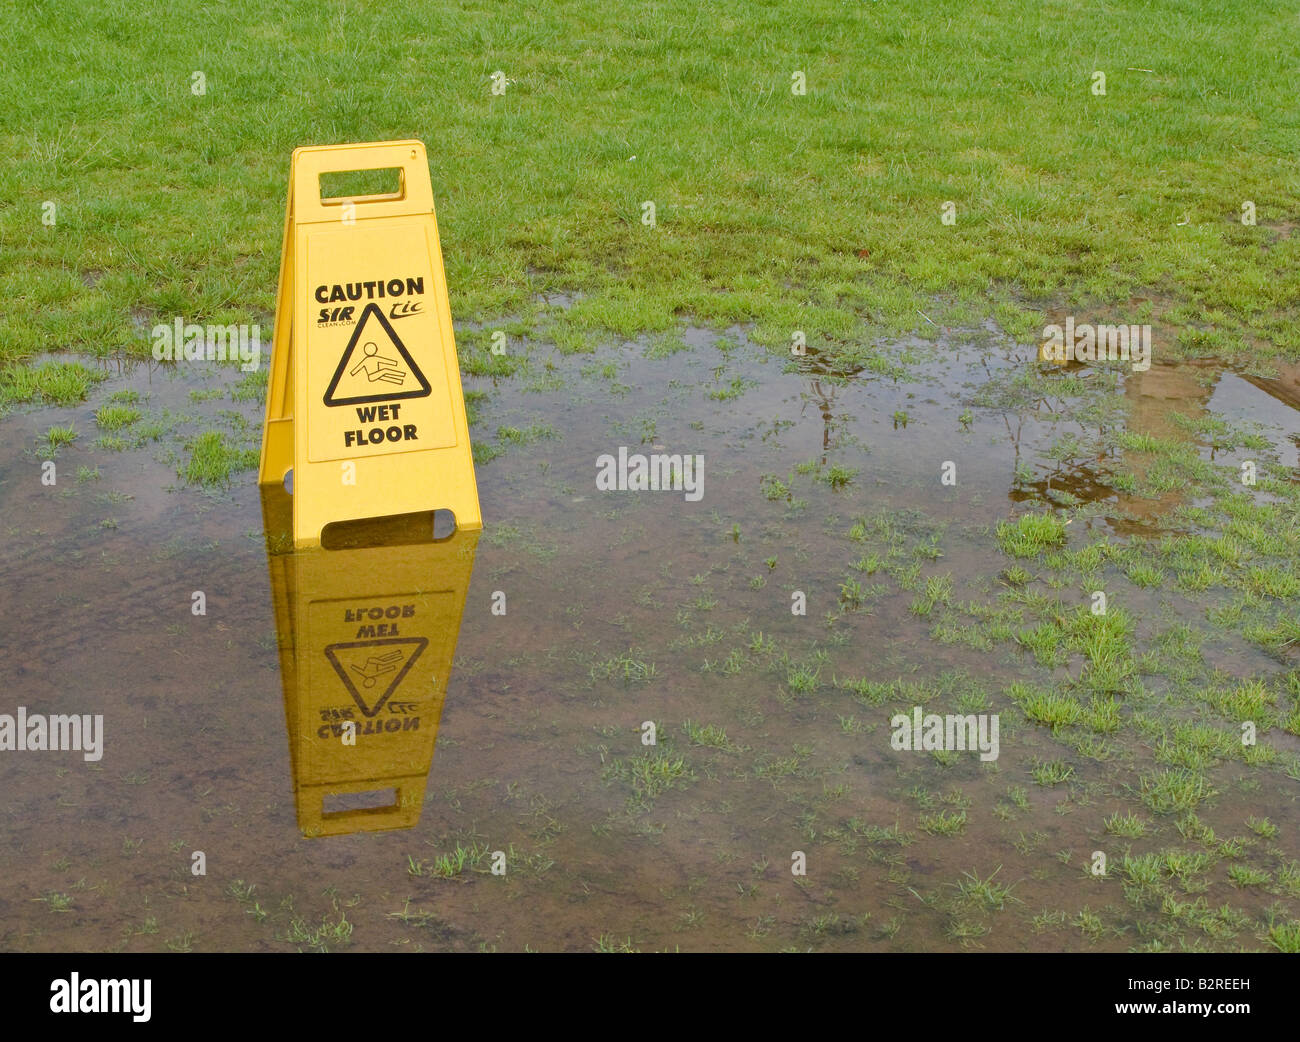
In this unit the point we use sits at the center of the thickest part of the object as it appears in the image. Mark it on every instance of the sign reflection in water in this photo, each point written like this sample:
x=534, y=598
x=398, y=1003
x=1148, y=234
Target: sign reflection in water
x=367, y=626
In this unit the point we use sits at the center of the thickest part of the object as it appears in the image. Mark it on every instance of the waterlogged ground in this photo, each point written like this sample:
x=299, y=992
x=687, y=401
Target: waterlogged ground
x=1121, y=734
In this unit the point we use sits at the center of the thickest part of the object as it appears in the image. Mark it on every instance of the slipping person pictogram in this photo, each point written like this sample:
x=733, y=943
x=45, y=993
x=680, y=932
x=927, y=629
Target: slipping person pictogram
x=376, y=666
x=360, y=664
x=376, y=366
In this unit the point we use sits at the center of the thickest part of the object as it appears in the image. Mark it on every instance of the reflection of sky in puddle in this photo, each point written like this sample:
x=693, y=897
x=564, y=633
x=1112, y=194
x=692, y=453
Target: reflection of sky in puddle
x=1030, y=446
x=539, y=740
x=1241, y=399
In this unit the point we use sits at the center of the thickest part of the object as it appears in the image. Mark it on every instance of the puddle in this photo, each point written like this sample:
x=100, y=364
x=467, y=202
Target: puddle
x=532, y=655
x=1271, y=404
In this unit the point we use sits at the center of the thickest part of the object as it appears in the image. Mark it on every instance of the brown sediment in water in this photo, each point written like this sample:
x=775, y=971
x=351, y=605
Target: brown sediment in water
x=539, y=750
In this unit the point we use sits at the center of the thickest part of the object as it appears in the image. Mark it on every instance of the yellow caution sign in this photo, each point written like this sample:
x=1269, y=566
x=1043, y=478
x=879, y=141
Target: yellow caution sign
x=367, y=635
x=364, y=403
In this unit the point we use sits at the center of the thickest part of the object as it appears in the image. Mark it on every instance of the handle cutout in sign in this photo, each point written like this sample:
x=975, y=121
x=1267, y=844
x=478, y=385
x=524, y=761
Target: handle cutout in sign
x=340, y=803
x=361, y=186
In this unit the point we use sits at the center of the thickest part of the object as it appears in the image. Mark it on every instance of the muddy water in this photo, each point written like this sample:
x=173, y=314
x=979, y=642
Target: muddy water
x=620, y=608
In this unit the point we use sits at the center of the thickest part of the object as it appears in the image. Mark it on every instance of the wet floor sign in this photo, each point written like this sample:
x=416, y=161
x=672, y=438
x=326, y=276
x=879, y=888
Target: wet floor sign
x=364, y=403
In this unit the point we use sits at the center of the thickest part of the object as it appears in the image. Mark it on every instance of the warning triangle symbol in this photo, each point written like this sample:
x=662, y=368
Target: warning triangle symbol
x=371, y=670
x=375, y=367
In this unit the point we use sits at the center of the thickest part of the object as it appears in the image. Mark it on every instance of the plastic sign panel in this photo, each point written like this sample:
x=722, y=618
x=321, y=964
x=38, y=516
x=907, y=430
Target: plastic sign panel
x=364, y=403
x=367, y=636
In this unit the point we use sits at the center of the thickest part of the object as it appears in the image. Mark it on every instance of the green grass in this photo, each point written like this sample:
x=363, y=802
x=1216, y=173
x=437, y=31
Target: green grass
x=773, y=488
x=213, y=460
x=803, y=680
x=626, y=668
x=838, y=476
x=651, y=774
x=1127, y=824
x=116, y=417
x=319, y=937
x=252, y=387
x=985, y=893
x=1175, y=789
x=851, y=594
x=609, y=944
x=1031, y=534
x=1244, y=876
x=1146, y=870
x=56, y=902
x=52, y=383
x=1051, y=708
x=709, y=735
x=1285, y=937
x=1146, y=575
x=942, y=823
x=57, y=437
x=1104, y=641
x=1252, y=700
x=938, y=590
x=1262, y=827
x=1052, y=773
x=1044, y=642
x=868, y=563
x=991, y=108
x=734, y=389
x=526, y=435
x=449, y=865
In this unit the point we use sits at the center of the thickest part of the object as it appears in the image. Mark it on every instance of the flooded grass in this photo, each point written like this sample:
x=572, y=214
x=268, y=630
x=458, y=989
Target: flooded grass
x=685, y=700
x=655, y=721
